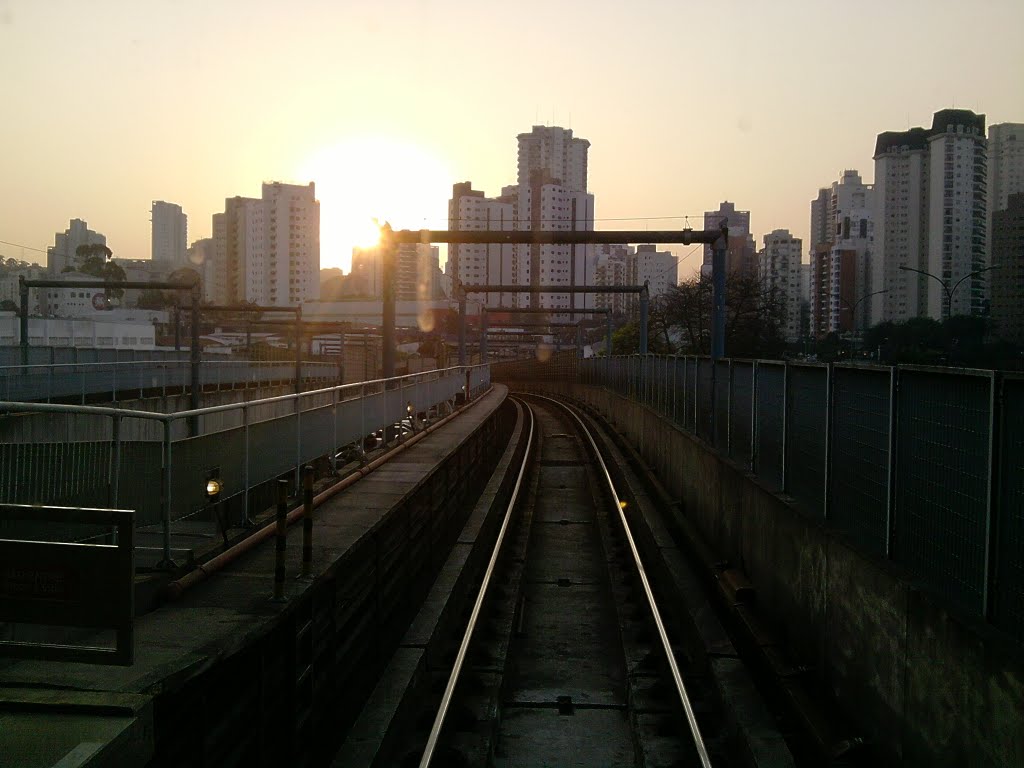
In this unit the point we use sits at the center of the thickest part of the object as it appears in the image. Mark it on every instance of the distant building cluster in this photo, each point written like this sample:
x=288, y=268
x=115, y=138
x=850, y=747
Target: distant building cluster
x=936, y=235
x=939, y=232
x=550, y=194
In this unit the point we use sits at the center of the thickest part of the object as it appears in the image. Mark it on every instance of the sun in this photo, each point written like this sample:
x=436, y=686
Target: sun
x=363, y=182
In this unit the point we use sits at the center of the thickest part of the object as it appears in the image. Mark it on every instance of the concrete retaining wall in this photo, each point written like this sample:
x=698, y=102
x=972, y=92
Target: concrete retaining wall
x=929, y=687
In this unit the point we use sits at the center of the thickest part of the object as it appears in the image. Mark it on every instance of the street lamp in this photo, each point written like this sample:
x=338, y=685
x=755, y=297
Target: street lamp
x=949, y=291
x=853, y=309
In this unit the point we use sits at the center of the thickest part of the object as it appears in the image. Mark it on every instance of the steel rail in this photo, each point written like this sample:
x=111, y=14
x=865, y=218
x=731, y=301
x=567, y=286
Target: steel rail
x=691, y=717
x=453, y=678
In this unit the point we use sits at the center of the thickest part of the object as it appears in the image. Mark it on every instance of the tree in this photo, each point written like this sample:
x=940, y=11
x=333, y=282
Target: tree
x=8, y=306
x=96, y=259
x=753, y=316
x=151, y=298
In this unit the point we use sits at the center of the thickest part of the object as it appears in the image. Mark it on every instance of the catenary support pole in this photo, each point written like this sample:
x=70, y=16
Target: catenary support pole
x=645, y=302
x=388, y=248
x=718, y=295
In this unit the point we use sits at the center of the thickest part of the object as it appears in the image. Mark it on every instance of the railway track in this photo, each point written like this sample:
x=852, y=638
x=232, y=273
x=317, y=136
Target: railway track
x=565, y=657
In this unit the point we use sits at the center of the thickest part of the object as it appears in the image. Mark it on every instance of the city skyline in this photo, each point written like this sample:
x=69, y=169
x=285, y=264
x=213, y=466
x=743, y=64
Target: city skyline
x=176, y=110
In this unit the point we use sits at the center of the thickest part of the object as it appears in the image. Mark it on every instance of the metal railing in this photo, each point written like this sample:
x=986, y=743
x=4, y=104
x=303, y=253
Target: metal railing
x=918, y=465
x=158, y=464
x=62, y=381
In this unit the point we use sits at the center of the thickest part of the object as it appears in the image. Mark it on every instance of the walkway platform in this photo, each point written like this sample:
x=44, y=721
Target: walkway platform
x=71, y=714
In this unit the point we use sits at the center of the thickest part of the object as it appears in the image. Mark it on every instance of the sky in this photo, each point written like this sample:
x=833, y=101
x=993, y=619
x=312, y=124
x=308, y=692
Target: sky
x=107, y=105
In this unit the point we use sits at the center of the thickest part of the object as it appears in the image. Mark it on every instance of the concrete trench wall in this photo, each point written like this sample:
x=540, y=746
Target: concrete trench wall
x=253, y=706
x=927, y=686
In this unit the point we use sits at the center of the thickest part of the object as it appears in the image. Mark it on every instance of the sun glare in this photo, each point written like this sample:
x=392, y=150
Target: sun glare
x=363, y=181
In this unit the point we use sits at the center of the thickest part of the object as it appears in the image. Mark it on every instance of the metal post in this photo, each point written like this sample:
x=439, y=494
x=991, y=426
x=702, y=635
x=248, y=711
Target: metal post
x=335, y=396
x=23, y=319
x=115, y=460
x=728, y=415
x=890, y=509
x=483, y=334
x=245, y=465
x=280, y=540
x=387, y=251
x=307, y=522
x=341, y=357
x=195, y=353
x=165, y=499
x=829, y=415
x=718, y=295
x=753, y=418
x=298, y=350
x=645, y=301
x=988, y=602
x=785, y=421
x=462, y=324
x=608, y=335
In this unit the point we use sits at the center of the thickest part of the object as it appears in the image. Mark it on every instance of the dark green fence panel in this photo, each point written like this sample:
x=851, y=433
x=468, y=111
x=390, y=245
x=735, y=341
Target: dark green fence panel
x=942, y=481
x=860, y=455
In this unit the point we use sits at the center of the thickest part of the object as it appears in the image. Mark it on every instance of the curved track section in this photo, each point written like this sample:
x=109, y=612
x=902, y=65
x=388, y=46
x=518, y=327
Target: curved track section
x=566, y=660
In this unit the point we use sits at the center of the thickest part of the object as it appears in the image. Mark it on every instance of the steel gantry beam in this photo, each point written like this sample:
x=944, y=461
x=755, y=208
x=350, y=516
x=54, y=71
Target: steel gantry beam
x=391, y=239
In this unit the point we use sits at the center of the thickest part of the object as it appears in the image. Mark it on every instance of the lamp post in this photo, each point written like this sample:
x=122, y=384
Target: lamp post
x=853, y=308
x=949, y=291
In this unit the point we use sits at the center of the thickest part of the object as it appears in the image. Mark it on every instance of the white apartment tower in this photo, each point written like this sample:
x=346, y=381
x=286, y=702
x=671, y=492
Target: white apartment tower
x=555, y=151
x=271, y=245
x=484, y=264
x=1005, y=168
x=842, y=229
x=901, y=225
x=741, y=255
x=62, y=253
x=611, y=268
x=658, y=269
x=956, y=212
x=202, y=257
x=552, y=196
x=169, y=235
x=780, y=272
x=930, y=204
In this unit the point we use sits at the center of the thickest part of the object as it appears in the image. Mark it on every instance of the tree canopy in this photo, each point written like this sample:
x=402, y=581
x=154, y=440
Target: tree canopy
x=96, y=259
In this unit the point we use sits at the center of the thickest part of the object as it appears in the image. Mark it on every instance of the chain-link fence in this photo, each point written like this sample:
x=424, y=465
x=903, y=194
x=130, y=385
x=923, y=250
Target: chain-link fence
x=924, y=466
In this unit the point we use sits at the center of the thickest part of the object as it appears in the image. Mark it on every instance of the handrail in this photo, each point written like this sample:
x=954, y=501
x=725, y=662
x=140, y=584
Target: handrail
x=460, y=658
x=691, y=717
x=21, y=407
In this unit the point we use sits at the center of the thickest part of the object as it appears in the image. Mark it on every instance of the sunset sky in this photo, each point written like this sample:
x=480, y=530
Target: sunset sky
x=107, y=105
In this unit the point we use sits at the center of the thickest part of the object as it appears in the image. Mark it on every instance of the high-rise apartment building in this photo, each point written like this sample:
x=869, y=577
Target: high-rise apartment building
x=484, y=264
x=271, y=245
x=659, y=269
x=930, y=204
x=957, y=200
x=61, y=254
x=611, y=268
x=202, y=257
x=1008, y=283
x=552, y=195
x=842, y=229
x=556, y=152
x=781, y=275
x=416, y=272
x=741, y=255
x=1005, y=170
x=169, y=234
